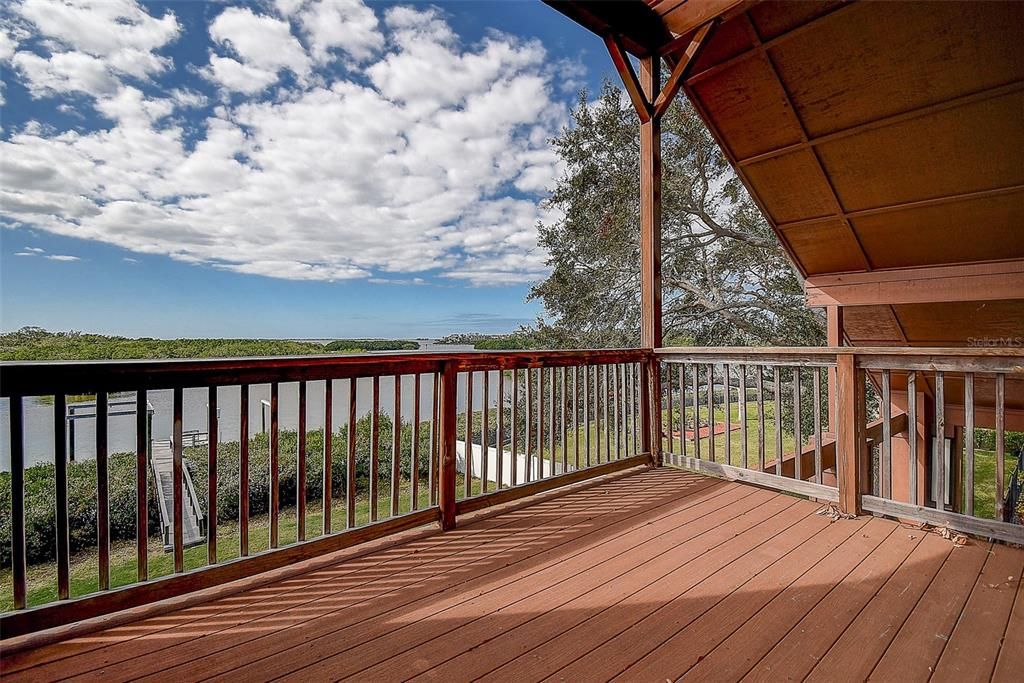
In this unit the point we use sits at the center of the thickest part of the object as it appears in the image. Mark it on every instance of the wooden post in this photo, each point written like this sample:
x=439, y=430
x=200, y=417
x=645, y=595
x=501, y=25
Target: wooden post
x=834, y=334
x=446, y=499
x=650, y=253
x=850, y=437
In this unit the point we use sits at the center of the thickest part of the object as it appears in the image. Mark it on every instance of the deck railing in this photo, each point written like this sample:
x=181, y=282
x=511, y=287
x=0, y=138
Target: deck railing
x=863, y=427
x=403, y=440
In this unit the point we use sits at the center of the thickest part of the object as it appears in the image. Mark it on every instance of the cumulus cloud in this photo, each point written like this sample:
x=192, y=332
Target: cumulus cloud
x=62, y=257
x=427, y=158
x=92, y=44
x=347, y=26
x=264, y=46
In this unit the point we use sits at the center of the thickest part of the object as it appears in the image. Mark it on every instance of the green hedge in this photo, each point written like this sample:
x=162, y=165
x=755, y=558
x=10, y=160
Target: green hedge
x=40, y=495
x=40, y=507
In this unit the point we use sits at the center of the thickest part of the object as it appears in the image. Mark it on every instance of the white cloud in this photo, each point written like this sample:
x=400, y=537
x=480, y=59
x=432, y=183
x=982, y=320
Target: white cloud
x=92, y=45
x=264, y=46
x=238, y=77
x=346, y=25
x=429, y=159
x=103, y=28
x=36, y=250
x=24, y=253
x=65, y=72
x=7, y=45
x=62, y=257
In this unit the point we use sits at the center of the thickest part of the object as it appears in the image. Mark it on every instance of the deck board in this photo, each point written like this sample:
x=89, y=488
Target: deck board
x=657, y=575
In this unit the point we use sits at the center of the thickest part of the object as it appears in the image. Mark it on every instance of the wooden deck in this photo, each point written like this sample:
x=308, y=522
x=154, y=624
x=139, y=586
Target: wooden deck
x=656, y=575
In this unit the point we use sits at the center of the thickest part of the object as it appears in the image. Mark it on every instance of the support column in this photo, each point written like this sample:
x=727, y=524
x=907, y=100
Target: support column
x=650, y=209
x=834, y=335
x=650, y=246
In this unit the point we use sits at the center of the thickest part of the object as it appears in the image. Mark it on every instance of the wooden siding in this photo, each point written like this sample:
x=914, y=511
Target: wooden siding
x=657, y=575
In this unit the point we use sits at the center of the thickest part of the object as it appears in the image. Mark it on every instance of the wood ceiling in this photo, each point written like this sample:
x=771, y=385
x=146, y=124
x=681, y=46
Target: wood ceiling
x=875, y=136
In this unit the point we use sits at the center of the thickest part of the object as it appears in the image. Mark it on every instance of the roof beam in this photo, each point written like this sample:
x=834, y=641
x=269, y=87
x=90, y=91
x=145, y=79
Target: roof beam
x=973, y=282
x=642, y=30
x=629, y=78
x=680, y=69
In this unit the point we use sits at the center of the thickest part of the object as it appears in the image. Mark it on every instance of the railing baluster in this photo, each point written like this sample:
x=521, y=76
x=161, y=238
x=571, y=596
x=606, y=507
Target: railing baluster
x=885, y=466
x=635, y=374
x=514, y=468
x=911, y=434
x=1000, y=444
x=617, y=411
x=817, y=426
x=711, y=412
x=396, y=449
x=968, y=441
x=776, y=377
x=484, y=428
x=682, y=409
x=744, y=450
x=552, y=424
x=576, y=412
x=350, y=464
x=448, y=391
x=760, y=419
x=328, y=492
x=414, y=451
x=727, y=394
x=597, y=415
x=606, y=395
x=627, y=404
x=300, y=466
x=696, y=410
x=540, y=423
x=435, y=437
x=375, y=451
x=500, y=450
x=60, y=464
x=468, y=475
x=565, y=425
x=939, y=492
x=528, y=470
x=177, y=482
x=671, y=410
x=212, y=430
x=243, y=471
x=586, y=413
x=18, y=555
x=275, y=489
x=798, y=438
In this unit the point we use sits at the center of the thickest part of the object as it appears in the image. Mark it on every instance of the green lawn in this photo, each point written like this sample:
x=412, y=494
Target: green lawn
x=735, y=437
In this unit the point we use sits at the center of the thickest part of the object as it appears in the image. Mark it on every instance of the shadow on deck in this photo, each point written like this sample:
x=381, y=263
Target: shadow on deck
x=657, y=575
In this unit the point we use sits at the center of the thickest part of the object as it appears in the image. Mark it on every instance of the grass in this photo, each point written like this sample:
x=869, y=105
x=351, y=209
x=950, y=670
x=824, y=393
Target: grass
x=42, y=578
x=984, y=481
x=735, y=437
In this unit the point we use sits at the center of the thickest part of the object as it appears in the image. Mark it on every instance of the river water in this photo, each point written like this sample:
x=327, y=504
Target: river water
x=38, y=413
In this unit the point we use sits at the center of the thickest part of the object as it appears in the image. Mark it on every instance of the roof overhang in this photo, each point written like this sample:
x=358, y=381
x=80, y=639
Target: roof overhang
x=877, y=139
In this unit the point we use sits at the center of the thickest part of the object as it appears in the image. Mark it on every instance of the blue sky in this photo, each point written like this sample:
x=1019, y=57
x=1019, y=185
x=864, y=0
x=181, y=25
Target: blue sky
x=288, y=168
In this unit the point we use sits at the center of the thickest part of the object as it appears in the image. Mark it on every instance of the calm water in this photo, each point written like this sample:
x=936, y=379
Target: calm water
x=38, y=415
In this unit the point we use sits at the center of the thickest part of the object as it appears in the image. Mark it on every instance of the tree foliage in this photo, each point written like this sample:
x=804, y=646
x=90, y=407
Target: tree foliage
x=726, y=280
x=34, y=343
